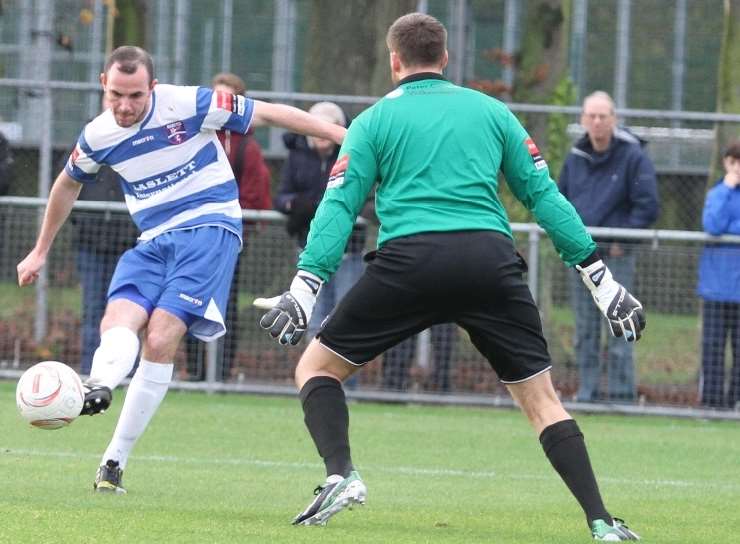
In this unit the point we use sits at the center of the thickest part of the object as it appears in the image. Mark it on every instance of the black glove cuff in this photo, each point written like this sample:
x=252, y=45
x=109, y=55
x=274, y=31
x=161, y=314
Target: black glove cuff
x=591, y=259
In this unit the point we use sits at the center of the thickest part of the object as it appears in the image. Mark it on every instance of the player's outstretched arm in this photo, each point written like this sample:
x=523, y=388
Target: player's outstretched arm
x=63, y=194
x=624, y=312
x=288, y=315
x=296, y=120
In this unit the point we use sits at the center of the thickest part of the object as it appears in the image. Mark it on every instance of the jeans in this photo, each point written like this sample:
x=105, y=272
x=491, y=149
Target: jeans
x=95, y=269
x=590, y=323
x=719, y=320
x=332, y=292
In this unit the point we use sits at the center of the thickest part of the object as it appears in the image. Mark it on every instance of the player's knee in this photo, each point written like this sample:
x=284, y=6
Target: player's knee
x=161, y=344
x=319, y=361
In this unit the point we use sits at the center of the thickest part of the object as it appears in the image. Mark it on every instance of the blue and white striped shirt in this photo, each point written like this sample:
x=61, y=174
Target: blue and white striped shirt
x=174, y=172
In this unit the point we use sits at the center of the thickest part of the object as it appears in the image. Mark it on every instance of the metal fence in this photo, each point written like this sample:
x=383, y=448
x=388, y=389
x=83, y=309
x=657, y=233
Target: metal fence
x=682, y=156
x=643, y=52
x=52, y=51
x=438, y=365
x=656, y=66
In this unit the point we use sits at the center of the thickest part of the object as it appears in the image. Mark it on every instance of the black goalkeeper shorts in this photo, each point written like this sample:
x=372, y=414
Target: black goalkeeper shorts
x=472, y=278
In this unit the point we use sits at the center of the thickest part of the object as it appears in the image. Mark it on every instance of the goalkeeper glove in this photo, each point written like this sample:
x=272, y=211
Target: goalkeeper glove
x=288, y=314
x=623, y=311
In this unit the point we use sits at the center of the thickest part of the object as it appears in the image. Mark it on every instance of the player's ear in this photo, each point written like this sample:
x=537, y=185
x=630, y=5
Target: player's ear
x=103, y=79
x=445, y=59
x=395, y=61
x=153, y=84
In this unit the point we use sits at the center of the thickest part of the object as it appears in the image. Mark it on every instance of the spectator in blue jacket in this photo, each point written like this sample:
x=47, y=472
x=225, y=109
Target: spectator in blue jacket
x=719, y=286
x=610, y=181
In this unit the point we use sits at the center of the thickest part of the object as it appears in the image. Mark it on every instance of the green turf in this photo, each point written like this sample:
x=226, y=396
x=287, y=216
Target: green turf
x=230, y=468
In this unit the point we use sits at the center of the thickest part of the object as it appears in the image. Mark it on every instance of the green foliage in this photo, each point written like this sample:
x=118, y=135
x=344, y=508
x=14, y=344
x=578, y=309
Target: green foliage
x=130, y=23
x=231, y=468
x=557, y=145
x=558, y=142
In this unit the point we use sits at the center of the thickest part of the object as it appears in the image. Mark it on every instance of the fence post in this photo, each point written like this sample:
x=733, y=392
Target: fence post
x=283, y=58
x=678, y=71
x=533, y=258
x=226, y=30
x=211, y=358
x=42, y=36
x=622, y=61
x=458, y=12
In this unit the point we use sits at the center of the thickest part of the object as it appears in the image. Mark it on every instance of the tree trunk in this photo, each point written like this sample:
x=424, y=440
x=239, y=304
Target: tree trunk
x=728, y=88
x=541, y=68
x=543, y=57
x=130, y=23
x=542, y=77
x=346, y=51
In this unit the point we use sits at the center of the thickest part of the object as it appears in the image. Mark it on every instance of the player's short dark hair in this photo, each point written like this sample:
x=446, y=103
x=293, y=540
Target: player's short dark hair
x=418, y=39
x=230, y=80
x=128, y=58
x=732, y=150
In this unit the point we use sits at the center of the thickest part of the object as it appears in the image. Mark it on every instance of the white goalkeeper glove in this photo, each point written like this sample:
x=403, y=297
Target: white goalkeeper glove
x=288, y=314
x=623, y=311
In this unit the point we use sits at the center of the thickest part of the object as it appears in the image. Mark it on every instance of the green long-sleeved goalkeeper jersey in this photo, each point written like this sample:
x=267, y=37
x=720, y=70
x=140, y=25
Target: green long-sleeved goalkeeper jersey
x=435, y=149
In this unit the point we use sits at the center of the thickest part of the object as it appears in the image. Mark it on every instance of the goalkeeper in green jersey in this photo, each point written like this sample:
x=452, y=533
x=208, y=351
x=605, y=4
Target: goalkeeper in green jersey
x=445, y=254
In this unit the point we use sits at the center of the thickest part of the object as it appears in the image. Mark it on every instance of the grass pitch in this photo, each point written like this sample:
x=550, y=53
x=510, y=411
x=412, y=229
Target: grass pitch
x=230, y=468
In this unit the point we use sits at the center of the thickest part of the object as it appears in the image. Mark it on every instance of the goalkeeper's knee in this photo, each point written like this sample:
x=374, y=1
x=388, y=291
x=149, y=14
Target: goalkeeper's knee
x=115, y=357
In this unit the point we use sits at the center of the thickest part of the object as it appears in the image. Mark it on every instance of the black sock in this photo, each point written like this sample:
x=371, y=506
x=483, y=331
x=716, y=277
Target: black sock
x=564, y=446
x=327, y=418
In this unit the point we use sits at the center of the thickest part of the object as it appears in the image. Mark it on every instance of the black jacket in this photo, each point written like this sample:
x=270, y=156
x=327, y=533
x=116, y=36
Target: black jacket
x=100, y=231
x=303, y=181
x=6, y=162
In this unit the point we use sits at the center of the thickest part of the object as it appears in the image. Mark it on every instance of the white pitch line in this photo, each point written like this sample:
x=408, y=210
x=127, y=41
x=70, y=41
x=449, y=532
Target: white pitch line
x=408, y=471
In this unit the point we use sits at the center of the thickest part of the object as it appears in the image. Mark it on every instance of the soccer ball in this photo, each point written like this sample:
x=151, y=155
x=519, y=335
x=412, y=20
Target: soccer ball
x=49, y=395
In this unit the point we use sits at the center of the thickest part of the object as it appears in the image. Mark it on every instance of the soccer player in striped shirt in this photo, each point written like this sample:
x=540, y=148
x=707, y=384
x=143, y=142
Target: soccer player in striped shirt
x=181, y=193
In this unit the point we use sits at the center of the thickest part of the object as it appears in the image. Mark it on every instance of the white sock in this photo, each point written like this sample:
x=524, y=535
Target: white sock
x=115, y=357
x=145, y=393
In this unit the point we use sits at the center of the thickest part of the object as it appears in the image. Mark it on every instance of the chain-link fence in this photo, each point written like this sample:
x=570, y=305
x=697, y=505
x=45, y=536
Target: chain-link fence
x=652, y=61
x=51, y=53
x=667, y=360
x=682, y=156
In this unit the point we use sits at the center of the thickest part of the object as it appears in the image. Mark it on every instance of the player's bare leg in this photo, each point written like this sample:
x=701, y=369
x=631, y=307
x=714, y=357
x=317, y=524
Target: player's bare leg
x=564, y=446
x=145, y=393
x=116, y=355
x=319, y=376
x=319, y=361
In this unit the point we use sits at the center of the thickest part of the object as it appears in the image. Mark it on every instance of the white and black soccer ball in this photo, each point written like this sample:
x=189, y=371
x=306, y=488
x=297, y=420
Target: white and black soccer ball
x=49, y=395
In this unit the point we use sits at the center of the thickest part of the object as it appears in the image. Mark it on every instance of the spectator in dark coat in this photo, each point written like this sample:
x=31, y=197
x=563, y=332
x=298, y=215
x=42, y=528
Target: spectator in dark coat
x=610, y=181
x=303, y=181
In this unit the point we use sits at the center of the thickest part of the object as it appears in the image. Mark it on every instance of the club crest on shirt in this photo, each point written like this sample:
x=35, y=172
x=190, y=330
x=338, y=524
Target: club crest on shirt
x=336, y=176
x=176, y=133
x=230, y=102
x=539, y=162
